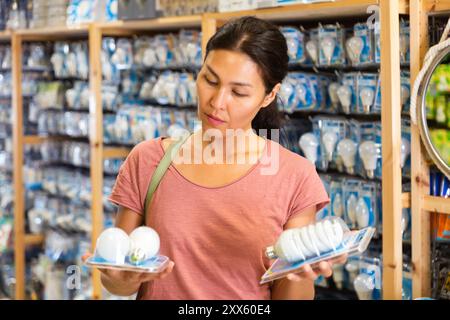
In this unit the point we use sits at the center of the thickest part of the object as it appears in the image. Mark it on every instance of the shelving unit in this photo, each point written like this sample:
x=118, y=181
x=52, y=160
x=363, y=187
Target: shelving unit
x=393, y=199
x=422, y=205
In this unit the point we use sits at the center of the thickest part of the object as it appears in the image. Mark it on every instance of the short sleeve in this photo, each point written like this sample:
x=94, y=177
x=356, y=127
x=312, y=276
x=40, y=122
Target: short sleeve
x=126, y=191
x=309, y=191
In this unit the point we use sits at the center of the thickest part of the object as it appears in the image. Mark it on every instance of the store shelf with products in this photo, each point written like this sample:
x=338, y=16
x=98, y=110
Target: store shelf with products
x=393, y=198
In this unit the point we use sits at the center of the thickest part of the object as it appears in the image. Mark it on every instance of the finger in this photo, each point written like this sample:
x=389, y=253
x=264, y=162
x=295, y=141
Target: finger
x=294, y=277
x=86, y=256
x=325, y=269
x=309, y=273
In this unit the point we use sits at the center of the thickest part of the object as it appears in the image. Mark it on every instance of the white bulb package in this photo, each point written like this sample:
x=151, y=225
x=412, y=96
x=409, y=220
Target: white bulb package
x=136, y=252
x=313, y=243
x=295, y=43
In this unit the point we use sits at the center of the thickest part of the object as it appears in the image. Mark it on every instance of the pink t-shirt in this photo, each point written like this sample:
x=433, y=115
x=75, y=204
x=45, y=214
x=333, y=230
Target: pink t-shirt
x=217, y=236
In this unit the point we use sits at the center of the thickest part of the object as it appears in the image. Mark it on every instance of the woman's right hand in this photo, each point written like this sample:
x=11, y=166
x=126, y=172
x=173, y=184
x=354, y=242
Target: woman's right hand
x=129, y=279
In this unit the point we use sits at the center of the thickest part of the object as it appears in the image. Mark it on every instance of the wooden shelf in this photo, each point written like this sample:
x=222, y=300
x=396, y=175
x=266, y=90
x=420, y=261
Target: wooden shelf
x=437, y=204
x=5, y=35
x=311, y=11
x=406, y=200
x=436, y=6
x=166, y=23
x=115, y=152
x=34, y=139
x=53, y=33
x=34, y=239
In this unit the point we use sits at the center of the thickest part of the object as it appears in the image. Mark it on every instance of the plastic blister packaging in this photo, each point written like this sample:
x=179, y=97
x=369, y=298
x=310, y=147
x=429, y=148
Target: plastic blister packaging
x=313, y=244
x=137, y=252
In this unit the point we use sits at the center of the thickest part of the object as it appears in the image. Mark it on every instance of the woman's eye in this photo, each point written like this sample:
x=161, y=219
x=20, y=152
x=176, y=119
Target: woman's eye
x=210, y=82
x=237, y=94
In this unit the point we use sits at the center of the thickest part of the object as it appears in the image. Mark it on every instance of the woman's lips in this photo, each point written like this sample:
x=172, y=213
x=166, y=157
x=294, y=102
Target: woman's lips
x=214, y=121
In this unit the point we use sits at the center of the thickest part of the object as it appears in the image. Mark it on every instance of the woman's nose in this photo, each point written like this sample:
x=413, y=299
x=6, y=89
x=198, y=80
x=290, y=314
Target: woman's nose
x=218, y=101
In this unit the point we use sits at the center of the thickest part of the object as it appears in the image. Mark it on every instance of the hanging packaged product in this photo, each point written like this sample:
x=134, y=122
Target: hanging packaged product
x=368, y=90
x=295, y=43
x=368, y=283
x=360, y=47
x=330, y=130
x=312, y=48
x=137, y=252
x=312, y=244
x=331, y=45
x=336, y=197
x=350, y=193
x=346, y=93
x=327, y=210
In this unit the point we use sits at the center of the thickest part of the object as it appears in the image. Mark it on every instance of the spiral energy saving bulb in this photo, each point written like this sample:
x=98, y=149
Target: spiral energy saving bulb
x=338, y=209
x=328, y=44
x=352, y=201
x=332, y=92
x=364, y=286
x=367, y=96
x=345, y=97
x=299, y=244
x=405, y=151
x=355, y=47
x=362, y=213
x=309, y=144
x=329, y=140
x=311, y=48
x=346, y=149
x=113, y=245
x=369, y=152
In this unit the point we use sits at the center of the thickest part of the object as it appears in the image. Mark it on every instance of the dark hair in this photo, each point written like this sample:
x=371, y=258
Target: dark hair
x=263, y=42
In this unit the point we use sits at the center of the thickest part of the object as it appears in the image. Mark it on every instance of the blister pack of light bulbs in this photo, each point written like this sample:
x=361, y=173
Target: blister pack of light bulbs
x=137, y=252
x=324, y=240
x=70, y=60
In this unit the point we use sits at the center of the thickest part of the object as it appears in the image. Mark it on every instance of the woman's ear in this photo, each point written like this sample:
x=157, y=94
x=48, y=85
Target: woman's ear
x=271, y=96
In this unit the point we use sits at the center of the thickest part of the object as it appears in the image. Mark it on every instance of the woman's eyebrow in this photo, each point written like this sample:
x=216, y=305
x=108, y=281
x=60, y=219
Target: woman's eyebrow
x=243, y=84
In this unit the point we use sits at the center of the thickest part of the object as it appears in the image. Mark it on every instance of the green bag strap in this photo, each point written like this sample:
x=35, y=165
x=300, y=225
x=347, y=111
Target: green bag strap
x=161, y=169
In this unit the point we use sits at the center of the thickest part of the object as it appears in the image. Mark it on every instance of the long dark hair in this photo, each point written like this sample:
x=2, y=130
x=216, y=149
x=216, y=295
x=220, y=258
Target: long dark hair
x=263, y=42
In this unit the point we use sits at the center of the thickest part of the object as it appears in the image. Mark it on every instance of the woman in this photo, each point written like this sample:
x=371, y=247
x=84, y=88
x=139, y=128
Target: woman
x=215, y=219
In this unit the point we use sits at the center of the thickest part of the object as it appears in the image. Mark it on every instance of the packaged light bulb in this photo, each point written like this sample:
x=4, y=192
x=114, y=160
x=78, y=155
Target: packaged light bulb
x=364, y=45
x=368, y=282
x=336, y=198
x=309, y=144
x=136, y=252
x=331, y=45
x=313, y=243
x=295, y=43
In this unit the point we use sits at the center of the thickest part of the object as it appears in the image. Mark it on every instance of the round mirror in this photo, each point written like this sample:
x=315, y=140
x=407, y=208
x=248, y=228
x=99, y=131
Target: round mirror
x=433, y=107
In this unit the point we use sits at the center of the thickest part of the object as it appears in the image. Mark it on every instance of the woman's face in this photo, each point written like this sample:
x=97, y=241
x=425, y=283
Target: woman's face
x=230, y=91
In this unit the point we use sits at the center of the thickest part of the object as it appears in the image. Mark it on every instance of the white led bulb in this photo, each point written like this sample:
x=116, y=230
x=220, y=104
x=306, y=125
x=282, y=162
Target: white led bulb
x=369, y=152
x=352, y=201
x=144, y=244
x=367, y=96
x=311, y=48
x=327, y=45
x=364, y=286
x=405, y=151
x=362, y=213
x=309, y=144
x=354, y=47
x=113, y=245
x=345, y=97
x=404, y=94
x=329, y=140
x=338, y=209
x=332, y=92
x=292, y=45
x=346, y=149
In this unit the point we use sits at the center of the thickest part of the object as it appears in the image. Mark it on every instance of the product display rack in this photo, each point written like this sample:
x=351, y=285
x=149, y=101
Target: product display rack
x=393, y=199
x=422, y=204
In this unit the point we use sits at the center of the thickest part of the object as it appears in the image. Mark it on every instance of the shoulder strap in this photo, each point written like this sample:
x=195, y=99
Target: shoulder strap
x=161, y=169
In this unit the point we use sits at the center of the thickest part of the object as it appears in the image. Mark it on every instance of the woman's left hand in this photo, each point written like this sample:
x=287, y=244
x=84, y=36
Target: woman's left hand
x=324, y=268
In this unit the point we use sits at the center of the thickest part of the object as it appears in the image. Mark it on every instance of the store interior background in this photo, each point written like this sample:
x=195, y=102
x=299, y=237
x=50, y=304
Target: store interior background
x=149, y=59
